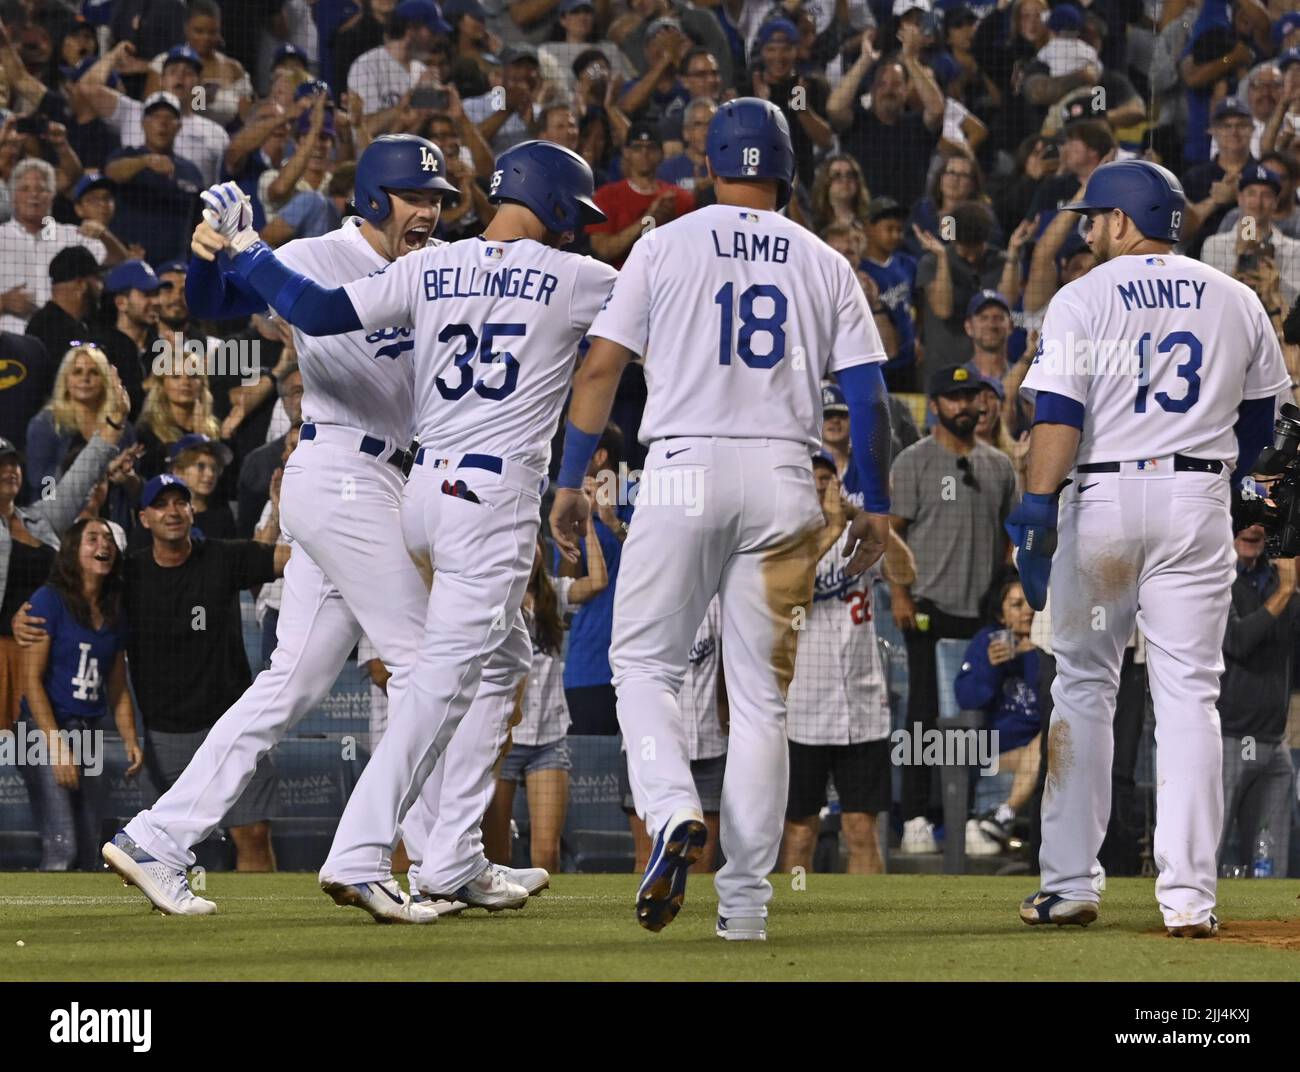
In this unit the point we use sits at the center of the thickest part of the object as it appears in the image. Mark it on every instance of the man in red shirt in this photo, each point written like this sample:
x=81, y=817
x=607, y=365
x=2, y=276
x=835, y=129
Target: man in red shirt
x=640, y=196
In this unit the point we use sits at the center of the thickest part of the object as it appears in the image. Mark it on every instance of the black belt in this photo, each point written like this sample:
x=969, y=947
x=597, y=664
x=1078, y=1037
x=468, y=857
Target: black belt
x=1182, y=464
x=371, y=445
x=490, y=462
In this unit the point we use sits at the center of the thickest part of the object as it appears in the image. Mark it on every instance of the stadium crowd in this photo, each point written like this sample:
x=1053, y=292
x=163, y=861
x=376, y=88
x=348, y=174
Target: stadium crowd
x=935, y=143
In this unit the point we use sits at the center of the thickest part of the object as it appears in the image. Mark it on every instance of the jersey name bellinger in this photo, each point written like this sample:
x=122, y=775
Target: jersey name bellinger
x=529, y=284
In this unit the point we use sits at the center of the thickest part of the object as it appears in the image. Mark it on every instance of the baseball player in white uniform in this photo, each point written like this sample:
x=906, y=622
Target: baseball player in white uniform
x=737, y=314
x=704, y=713
x=496, y=323
x=1146, y=367
x=340, y=502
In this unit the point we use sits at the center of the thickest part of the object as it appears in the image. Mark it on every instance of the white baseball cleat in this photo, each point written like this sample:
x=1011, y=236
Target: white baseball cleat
x=167, y=887
x=385, y=901
x=1040, y=907
x=742, y=929
x=1208, y=928
x=533, y=879
x=490, y=890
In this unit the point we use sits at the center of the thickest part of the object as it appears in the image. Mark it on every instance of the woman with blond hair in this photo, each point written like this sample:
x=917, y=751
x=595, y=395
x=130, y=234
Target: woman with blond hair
x=178, y=404
x=839, y=193
x=78, y=405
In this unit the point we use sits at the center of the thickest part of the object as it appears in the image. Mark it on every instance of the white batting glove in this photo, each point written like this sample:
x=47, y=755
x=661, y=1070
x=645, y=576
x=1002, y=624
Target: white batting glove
x=227, y=210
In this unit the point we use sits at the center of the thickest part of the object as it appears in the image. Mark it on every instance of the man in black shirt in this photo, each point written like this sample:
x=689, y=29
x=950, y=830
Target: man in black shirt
x=1258, y=779
x=75, y=285
x=892, y=146
x=128, y=339
x=26, y=380
x=778, y=81
x=186, y=649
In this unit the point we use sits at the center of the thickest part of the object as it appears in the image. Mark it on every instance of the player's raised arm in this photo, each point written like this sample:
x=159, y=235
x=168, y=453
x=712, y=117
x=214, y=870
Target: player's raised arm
x=308, y=306
x=210, y=292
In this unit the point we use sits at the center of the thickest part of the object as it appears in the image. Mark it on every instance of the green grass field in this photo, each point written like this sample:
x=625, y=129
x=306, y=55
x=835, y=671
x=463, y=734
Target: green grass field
x=913, y=927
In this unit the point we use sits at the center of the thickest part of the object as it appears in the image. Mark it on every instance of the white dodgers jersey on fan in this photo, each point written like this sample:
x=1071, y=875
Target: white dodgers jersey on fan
x=838, y=695
x=1161, y=350
x=737, y=316
x=496, y=330
x=362, y=379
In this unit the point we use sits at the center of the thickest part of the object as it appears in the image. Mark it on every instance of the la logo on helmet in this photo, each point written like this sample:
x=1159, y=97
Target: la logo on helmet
x=428, y=162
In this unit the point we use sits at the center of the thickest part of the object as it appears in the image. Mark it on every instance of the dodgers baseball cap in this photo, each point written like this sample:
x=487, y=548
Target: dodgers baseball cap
x=1290, y=56
x=162, y=99
x=991, y=382
x=833, y=399
x=132, y=275
x=167, y=267
x=956, y=17
x=92, y=180
x=1259, y=176
x=1065, y=17
x=424, y=12
x=1286, y=25
x=821, y=457
x=986, y=297
x=773, y=27
x=8, y=450
x=644, y=132
x=74, y=262
x=880, y=208
x=566, y=6
x=1230, y=108
x=290, y=52
x=198, y=441
x=158, y=485
x=955, y=379
x=183, y=54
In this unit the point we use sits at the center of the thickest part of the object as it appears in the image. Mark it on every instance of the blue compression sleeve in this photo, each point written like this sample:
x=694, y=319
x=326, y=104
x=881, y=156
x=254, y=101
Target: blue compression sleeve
x=1254, y=430
x=579, y=446
x=216, y=295
x=1051, y=408
x=864, y=391
x=311, y=308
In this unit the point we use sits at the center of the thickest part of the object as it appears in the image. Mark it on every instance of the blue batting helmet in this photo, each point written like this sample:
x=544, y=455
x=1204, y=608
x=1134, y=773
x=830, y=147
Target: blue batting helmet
x=1149, y=195
x=397, y=162
x=552, y=181
x=750, y=139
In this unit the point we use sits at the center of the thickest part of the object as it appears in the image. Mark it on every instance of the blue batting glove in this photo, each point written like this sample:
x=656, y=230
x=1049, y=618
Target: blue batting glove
x=1032, y=526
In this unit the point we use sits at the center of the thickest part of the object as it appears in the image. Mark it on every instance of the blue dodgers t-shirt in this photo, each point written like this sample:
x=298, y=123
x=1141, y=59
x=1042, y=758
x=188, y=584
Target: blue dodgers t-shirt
x=76, y=676
x=586, y=662
x=896, y=279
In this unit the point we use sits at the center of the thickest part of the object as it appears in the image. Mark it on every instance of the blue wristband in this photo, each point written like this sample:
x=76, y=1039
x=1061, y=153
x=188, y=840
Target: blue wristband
x=579, y=446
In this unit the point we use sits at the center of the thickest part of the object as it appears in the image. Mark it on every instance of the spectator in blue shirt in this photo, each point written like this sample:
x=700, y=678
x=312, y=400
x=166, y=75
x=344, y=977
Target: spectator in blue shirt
x=999, y=676
x=588, y=687
x=894, y=273
x=157, y=190
x=689, y=169
x=72, y=677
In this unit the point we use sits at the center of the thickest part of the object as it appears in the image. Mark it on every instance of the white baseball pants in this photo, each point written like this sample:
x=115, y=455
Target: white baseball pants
x=1155, y=545
x=349, y=572
x=739, y=518
x=481, y=553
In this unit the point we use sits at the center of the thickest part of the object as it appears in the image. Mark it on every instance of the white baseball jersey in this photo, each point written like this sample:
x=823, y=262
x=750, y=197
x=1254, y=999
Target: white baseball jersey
x=1161, y=350
x=200, y=140
x=837, y=695
x=379, y=80
x=546, y=712
x=699, y=693
x=362, y=379
x=496, y=330
x=742, y=340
